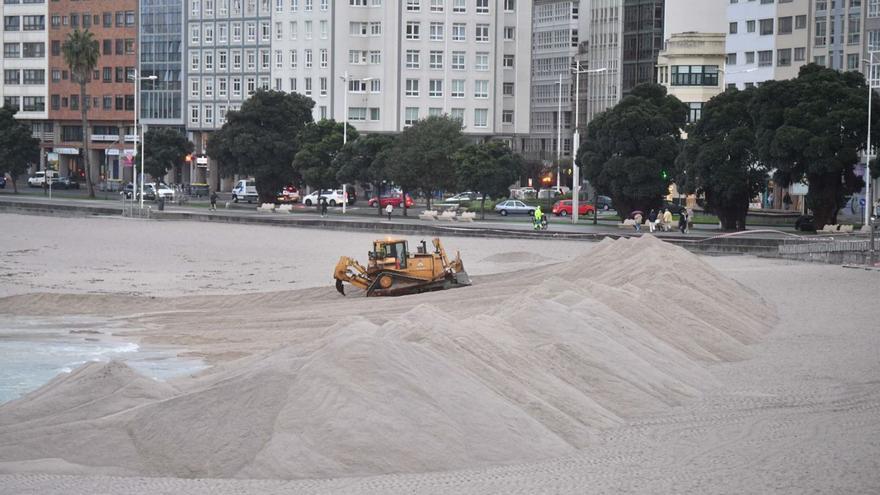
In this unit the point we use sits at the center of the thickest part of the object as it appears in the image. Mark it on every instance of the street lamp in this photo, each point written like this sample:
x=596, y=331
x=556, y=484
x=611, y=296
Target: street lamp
x=868, y=204
x=139, y=140
x=576, y=139
x=345, y=77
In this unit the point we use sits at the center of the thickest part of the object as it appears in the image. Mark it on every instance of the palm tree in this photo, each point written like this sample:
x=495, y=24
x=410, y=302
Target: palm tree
x=81, y=51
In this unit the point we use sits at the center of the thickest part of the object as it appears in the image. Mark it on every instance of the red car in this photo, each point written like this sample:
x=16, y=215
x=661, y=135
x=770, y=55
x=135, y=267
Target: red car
x=394, y=200
x=563, y=208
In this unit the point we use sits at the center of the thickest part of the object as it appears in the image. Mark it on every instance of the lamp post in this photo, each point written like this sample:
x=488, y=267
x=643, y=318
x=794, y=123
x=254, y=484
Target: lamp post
x=139, y=140
x=869, y=205
x=345, y=77
x=576, y=138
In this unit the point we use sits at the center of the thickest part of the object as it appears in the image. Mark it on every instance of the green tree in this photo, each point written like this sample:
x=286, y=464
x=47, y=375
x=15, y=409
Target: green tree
x=423, y=158
x=18, y=147
x=261, y=140
x=166, y=148
x=365, y=161
x=489, y=168
x=719, y=159
x=319, y=143
x=81, y=53
x=813, y=128
x=630, y=150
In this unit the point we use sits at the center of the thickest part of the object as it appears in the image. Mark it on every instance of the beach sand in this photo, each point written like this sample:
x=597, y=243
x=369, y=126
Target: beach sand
x=623, y=366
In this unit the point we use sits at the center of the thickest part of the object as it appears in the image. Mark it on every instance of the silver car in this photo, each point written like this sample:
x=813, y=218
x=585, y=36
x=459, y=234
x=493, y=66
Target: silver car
x=514, y=206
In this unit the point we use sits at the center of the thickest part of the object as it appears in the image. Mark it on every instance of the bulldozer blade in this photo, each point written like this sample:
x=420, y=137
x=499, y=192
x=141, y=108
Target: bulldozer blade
x=462, y=278
x=339, y=287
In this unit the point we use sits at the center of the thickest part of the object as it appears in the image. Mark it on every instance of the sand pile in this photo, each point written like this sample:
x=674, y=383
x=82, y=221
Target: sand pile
x=532, y=377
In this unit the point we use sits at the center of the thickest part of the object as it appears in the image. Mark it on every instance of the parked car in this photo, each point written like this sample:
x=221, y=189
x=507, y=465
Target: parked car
x=66, y=183
x=523, y=193
x=513, y=206
x=462, y=197
x=244, y=190
x=565, y=208
x=163, y=191
x=393, y=199
x=334, y=197
x=39, y=178
x=288, y=194
x=805, y=223
x=149, y=191
x=604, y=203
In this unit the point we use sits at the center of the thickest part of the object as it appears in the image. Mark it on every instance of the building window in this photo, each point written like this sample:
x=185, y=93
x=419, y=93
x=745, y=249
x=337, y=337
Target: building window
x=481, y=89
x=852, y=61
x=435, y=112
x=507, y=89
x=695, y=75
x=457, y=88
x=375, y=57
x=436, y=59
x=437, y=5
x=482, y=6
x=509, y=5
x=374, y=113
x=732, y=29
x=766, y=27
x=507, y=117
x=357, y=113
x=11, y=76
x=800, y=54
x=731, y=59
x=784, y=25
x=376, y=86
x=821, y=31
x=458, y=114
x=765, y=58
x=481, y=117
x=34, y=50
x=322, y=85
x=412, y=59
x=412, y=87
x=507, y=61
x=695, y=111
x=325, y=58
x=458, y=62
x=783, y=57
x=800, y=22
x=436, y=31
x=481, y=61
x=413, y=5
x=357, y=86
x=873, y=8
x=13, y=50
x=459, y=32
x=33, y=23
x=375, y=29
x=854, y=34
x=459, y=6
x=411, y=116
x=509, y=33
x=750, y=57
x=750, y=26
x=482, y=33
x=435, y=88
x=308, y=52
x=412, y=30
x=819, y=60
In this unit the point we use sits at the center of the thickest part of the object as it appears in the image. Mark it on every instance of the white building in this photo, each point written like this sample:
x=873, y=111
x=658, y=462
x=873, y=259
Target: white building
x=690, y=67
x=25, y=61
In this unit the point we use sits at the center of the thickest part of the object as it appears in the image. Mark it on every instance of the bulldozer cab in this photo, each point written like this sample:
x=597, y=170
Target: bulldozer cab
x=390, y=253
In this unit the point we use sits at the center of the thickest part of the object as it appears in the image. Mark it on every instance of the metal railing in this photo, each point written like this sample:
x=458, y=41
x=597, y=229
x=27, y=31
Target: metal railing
x=131, y=208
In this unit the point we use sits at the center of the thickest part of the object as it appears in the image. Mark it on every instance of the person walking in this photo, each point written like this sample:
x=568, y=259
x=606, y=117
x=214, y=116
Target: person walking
x=667, y=220
x=690, y=219
x=213, y=200
x=638, y=222
x=389, y=209
x=682, y=222
x=323, y=201
x=652, y=219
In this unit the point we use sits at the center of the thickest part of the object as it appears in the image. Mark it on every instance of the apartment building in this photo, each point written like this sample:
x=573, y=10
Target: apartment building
x=555, y=42
x=161, y=55
x=690, y=67
x=227, y=57
x=25, y=61
x=767, y=40
x=604, y=26
x=642, y=41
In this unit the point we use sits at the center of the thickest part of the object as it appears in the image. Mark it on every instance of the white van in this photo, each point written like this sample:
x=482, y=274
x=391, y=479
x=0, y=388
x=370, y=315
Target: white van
x=245, y=190
x=40, y=177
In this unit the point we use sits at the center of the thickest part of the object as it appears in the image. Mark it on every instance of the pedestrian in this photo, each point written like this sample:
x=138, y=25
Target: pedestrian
x=682, y=222
x=667, y=220
x=388, y=210
x=323, y=201
x=638, y=222
x=213, y=200
x=652, y=219
x=690, y=219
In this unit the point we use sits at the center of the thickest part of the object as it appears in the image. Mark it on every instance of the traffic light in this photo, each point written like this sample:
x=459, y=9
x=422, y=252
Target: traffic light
x=664, y=174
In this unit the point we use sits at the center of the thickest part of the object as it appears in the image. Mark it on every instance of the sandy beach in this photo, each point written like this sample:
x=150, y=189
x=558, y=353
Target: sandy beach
x=626, y=366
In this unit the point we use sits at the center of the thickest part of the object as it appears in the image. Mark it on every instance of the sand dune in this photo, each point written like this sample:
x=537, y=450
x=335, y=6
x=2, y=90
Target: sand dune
x=465, y=378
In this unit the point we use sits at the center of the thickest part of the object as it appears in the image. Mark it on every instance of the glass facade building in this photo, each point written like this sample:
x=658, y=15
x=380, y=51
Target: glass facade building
x=161, y=54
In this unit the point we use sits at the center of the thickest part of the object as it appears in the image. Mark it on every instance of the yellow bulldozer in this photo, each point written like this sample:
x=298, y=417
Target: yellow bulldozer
x=392, y=270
